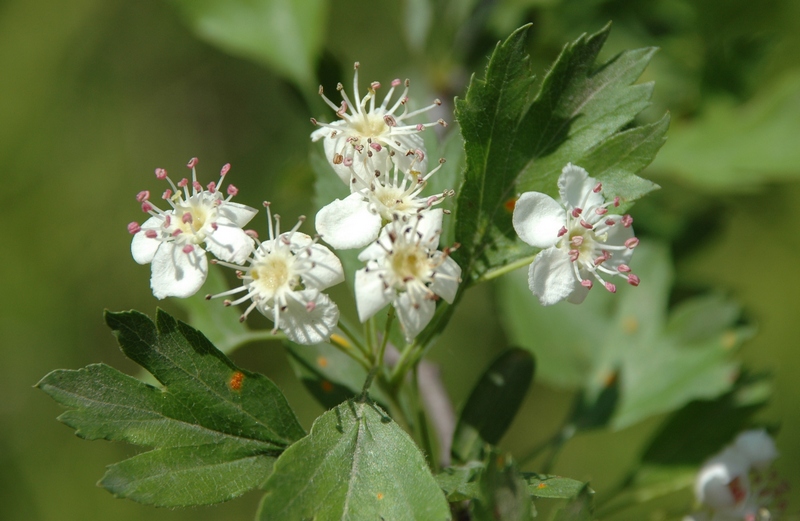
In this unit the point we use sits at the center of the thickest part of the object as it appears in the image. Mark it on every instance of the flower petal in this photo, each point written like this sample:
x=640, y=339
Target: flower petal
x=576, y=188
x=335, y=145
x=616, y=236
x=430, y=226
x=144, y=248
x=409, y=162
x=371, y=294
x=757, y=446
x=327, y=270
x=550, y=276
x=538, y=218
x=177, y=274
x=307, y=325
x=446, y=279
x=348, y=223
x=239, y=214
x=413, y=319
x=229, y=242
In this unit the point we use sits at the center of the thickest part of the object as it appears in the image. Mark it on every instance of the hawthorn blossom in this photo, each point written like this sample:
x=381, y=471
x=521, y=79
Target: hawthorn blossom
x=367, y=134
x=582, y=243
x=731, y=485
x=284, y=278
x=171, y=240
x=355, y=221
x=405, y=268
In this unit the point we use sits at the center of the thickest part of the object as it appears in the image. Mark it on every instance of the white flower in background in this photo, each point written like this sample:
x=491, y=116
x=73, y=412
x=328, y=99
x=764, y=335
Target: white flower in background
x=405, y=268
x=731, y=485
x=172, y=240
x=366, y=134
x=582, y=242
x=355, y=221
x=284, y=278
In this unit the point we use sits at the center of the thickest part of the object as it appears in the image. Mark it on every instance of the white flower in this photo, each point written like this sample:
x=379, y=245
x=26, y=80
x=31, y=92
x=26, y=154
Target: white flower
x=367, y=134
x=582, y=242
x=171, y=240
x=405, y=268
x=357, y=220
x=284, y=277
x=731, y=486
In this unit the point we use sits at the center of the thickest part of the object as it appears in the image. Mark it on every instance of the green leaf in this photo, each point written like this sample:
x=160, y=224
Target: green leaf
x=504, y=494
x=194, y=475
x=625, y=350
x=460, y=483
x=552, y=487
x=492, y=404
x=735, y=147
x=355, y=464
x=286, y=35
x=208, y=407
x=514, y=143
x=581, y=508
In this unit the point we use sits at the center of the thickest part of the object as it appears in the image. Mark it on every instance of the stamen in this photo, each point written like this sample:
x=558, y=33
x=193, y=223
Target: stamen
x=632, y=243
x=161, y=173
x=143, y=196
x=134, y=227
x=633, y=280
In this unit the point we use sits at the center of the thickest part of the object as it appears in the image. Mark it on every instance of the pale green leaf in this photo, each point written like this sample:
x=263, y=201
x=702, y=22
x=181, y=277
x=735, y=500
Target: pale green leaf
x=503, y=493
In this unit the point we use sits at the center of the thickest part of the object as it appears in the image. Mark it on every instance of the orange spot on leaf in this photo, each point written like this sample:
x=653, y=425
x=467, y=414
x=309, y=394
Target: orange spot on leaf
x=236, y=381
x=322, y=361
x=380, y=495
x=326, y=386
x=541, y=485
x=510, y=204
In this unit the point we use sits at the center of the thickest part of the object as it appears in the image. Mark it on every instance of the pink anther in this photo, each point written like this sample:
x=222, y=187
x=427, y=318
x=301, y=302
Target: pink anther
x=342, y=108
x=188, y=248
x=420, y=127
x=375, y=85
x=389, y=120
x=225, y=169
x=610, y=222
x=624, y=268
x=214, y=226
x=177, y=232
x=186, y=218
x=183, y=183
x=232, y=190
x=134, y=227
x=601, y=211
x=310, y=306
x=632, y=243
x=143, y=196
x=633, y=280
x=375, y=146
x=616, y=201
x=396, y=82
x=599, y=260
x=192, y=162
x=161, y=173
x=419, y=154
x=586, y=225
x=197, y=186
x=627, y=220
x=147, y=207
x=251, y=233
x=577, y=240
x=167, y=193
x=348, y=161
x=151, y=234
x=167, y=221
x=598, y=188
x=563, y=231
x=610, y=287
x=573, y=255
x=586, y=283
x=576, y=212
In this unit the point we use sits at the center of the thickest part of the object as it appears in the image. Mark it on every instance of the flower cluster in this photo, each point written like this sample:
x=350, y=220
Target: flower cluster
x=733, y=485
x=172, y=240
x=384, y=162
x=582, y=242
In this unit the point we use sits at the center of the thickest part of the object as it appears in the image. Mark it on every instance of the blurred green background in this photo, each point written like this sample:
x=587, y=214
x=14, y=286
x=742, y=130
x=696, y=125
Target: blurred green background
x=96, y=94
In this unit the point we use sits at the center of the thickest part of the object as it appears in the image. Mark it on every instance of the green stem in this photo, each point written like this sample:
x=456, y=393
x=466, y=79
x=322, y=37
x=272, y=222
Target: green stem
x=493, y=274
x=352, y=354
x=352, y=338
x=400, y=368
x=561, y=438
x=378, y=361
x=422, y=421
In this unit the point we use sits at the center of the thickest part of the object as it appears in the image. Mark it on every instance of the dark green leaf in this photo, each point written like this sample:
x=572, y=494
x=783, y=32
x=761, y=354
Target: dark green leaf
x=515, y=144
x=553, y=487
x=286, y=35
x=504, y=494
x=209, y=411
x=460, y=483
x=193, y=475
x=356, y=464
x=492, y=404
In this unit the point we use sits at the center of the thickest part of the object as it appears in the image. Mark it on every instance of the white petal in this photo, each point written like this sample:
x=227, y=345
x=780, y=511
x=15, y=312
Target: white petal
x=413, y=319
x=348, y=223
x=538, y=218
x=307, y=325
x=445, y=280
x=712, y=485
x=327, y=270
x=576, y=188
x=239, y=214
x=177, y=274
x=757, y=446
x=144, y=248
x=430, y=226
x=371, y=295
x=333, y=146
x=410, y=162
x=229, y=242
x=550, y=276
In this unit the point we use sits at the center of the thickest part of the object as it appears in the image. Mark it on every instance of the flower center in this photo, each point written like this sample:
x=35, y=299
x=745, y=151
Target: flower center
x=409, y=263
x=272, y=273
x=370, y=125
